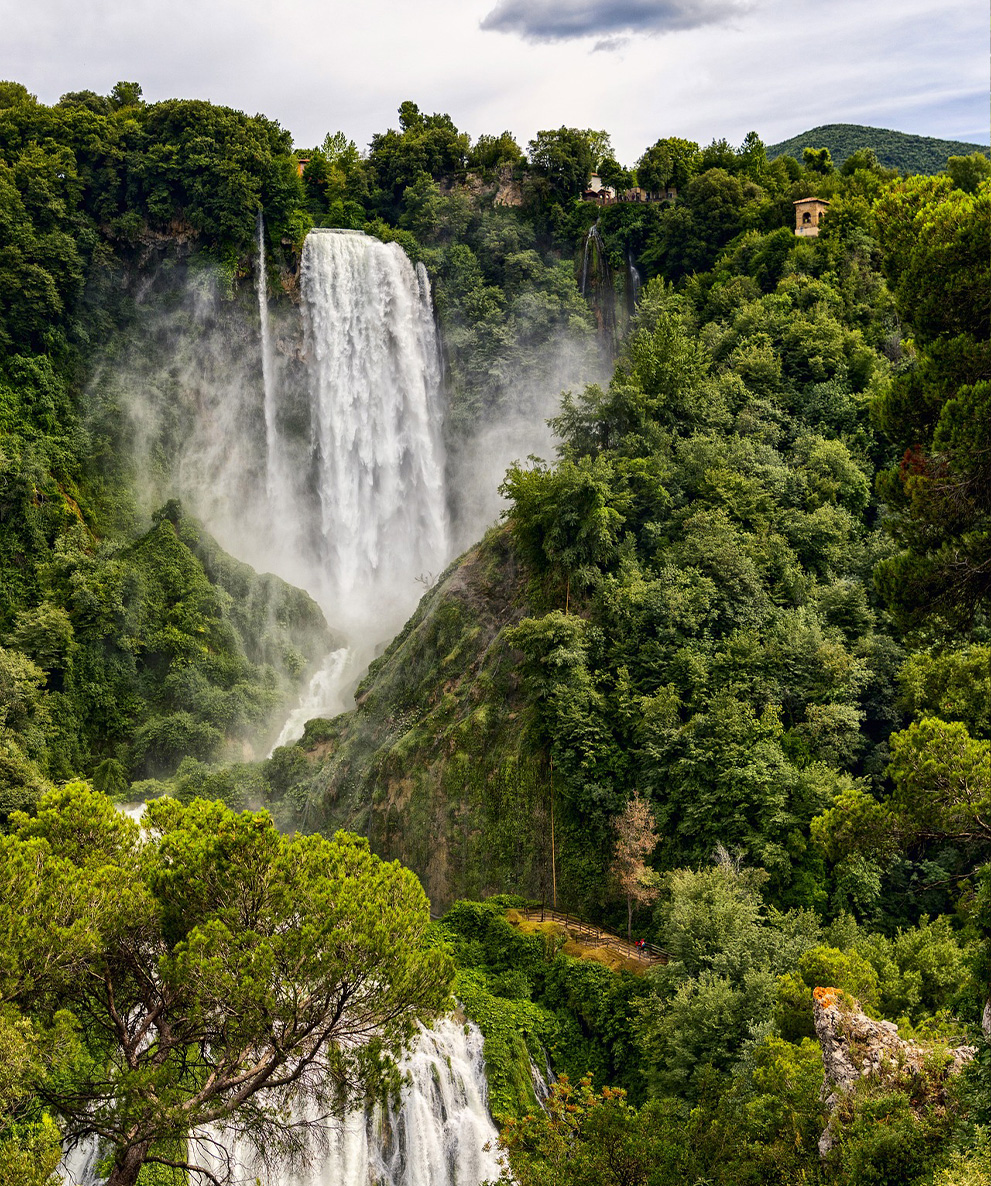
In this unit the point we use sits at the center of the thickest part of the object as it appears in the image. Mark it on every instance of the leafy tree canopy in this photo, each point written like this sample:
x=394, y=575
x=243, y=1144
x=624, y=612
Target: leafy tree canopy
x=211, y=971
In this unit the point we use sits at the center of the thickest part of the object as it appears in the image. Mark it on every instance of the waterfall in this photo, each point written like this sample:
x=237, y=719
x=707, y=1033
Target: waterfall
x=436, y=1137
x=375, y=414
x=268, y=364
x=356, y=493
x=326, y=695
x=597, y=287
x=632, y=284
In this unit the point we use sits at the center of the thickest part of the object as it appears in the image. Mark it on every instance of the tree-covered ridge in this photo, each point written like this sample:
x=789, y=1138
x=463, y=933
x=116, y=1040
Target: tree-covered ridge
x=709, y=622
x=127, y=645
x=895, y=150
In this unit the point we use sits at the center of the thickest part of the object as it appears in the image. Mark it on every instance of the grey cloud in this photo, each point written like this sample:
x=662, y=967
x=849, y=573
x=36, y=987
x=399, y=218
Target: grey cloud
x=610, y=44
x=564, y=20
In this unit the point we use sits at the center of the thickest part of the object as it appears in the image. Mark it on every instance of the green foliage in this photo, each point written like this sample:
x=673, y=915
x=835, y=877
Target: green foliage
x=248, y=958
x=669, y=162
x=30, y=1154
x=937, y=247
x=563, y=160
x=683, y=606
x=899, y=150
x=427, y=145
x=335, y=183
x=882, y=1139
x=821, y=967
x=718, y=987
x=922, y=970
x=585, y=1137
x=968, y=172
x=581, y=1010
x=514, y=1031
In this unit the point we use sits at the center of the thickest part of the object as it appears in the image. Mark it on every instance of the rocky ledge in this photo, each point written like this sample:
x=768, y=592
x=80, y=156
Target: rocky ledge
x=856, y=1047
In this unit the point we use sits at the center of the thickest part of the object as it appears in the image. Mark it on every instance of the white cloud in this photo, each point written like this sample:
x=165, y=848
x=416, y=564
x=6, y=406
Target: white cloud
x=322, y=65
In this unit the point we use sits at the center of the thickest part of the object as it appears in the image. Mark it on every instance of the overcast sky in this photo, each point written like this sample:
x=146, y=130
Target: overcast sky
x=641, y=69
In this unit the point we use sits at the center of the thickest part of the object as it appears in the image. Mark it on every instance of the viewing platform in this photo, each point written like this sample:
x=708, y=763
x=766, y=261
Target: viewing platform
x=591, y=935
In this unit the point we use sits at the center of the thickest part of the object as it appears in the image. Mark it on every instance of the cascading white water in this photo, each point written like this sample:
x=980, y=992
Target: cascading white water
x=379, y=525
x=375, y=406
x=440, y=1135
x=326, y=696
x=437, y=1136
x=268, y=367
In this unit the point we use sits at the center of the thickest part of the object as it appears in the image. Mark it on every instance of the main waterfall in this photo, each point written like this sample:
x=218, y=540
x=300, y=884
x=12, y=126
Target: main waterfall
x=376, y=521
x=378, y=463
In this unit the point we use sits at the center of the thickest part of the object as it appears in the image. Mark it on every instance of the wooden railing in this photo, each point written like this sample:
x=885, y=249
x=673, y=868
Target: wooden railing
x=647, y=952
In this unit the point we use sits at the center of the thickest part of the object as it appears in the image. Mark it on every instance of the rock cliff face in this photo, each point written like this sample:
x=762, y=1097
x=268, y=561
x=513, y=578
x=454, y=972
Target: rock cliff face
x=856, y=1047
x=434, y=765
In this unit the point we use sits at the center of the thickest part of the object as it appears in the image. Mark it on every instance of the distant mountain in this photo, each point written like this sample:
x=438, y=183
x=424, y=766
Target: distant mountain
x=895, y=150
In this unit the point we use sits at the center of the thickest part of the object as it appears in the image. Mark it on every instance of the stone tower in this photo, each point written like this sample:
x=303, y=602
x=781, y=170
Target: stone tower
x=808, y=212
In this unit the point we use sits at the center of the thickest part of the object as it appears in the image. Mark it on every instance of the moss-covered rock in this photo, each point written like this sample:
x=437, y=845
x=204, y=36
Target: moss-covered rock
x=434, y=765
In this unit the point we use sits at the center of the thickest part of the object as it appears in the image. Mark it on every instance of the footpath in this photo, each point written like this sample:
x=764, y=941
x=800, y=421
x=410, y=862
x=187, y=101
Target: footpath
x=590, y=934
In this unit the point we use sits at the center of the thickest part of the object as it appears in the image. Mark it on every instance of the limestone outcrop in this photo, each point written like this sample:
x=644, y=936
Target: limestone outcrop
x=855, y=1047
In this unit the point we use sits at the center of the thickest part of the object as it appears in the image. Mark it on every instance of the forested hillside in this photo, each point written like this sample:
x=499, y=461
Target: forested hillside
x=895, y=150
x=719, y=678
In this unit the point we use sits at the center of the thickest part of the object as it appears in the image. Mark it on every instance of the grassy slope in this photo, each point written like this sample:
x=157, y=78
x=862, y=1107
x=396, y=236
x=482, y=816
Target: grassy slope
x=895, y=150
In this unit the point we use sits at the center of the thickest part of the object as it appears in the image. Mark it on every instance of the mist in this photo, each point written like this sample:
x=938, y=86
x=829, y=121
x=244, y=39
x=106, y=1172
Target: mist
x=323, y=460
x=517, y=427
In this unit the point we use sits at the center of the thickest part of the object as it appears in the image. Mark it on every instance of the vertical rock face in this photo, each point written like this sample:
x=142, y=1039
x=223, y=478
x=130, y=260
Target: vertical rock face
x=856, y=1047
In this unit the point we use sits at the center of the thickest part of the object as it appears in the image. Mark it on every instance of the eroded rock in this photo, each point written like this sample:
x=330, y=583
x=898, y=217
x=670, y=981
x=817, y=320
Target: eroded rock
x=855, y=1047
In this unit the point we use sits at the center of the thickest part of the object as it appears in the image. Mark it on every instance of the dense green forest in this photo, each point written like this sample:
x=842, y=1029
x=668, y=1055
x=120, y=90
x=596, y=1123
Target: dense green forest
x=746, y=600
x=895, y=150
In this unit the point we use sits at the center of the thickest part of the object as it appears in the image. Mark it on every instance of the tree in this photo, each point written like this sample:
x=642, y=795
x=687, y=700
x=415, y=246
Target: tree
x=613, y=174
x=671, y=161
x=125, y=94
x=818, y=160
x=587, y=1139
x=218, y=972
x=753, y=157
x=636, y=838
x=937, y=243
x=428, y=144
x=968, y=172
x=489, y=153
x=564, y=159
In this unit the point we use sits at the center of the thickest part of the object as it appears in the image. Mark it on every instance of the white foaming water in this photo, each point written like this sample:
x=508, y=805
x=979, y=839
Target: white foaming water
x=268, y=368
x=436, y=1137
x=376, y=419
x=333, y=475
x=379, y=521
x=327, y=693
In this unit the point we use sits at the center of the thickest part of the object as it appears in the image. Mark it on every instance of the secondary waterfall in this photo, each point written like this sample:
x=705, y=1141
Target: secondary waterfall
x=268, y=365
x=436, y=1137
x=597, y=287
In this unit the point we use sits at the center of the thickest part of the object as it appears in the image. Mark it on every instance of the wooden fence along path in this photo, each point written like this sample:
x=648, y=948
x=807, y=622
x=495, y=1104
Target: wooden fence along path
x=648, y=953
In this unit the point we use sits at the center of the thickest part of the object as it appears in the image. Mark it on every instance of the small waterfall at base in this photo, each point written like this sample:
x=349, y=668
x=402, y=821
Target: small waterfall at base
x=436, y=1137
x=326, y=694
